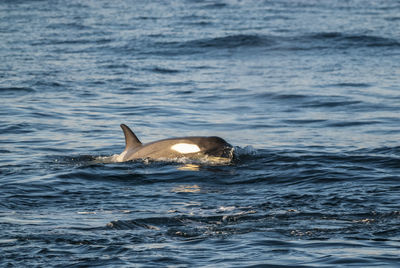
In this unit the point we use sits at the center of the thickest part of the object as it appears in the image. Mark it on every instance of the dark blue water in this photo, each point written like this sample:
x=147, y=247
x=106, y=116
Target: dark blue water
x=307, y=91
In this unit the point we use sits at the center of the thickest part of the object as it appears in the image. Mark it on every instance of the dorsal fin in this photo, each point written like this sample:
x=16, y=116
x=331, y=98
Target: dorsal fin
x=131, y=141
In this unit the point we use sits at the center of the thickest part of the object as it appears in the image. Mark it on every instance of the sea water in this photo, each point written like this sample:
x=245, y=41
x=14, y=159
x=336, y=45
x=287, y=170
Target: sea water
x=308, y=92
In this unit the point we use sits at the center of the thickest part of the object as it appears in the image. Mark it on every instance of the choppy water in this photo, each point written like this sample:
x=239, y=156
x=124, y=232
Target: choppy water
x=308, y=91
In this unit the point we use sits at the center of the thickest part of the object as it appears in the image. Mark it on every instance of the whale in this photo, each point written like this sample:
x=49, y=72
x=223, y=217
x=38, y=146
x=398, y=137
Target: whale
x=193, y=147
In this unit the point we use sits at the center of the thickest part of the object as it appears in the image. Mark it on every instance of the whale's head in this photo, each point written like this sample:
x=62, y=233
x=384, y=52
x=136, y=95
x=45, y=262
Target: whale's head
x=216, y=146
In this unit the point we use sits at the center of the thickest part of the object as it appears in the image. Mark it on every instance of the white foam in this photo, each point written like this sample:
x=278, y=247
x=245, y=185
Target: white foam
x=109, y=159
x=185, y=148
x=118, y=157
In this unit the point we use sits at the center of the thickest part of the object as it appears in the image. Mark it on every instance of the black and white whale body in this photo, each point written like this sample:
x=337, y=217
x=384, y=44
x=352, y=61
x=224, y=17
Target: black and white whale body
x=213, y=148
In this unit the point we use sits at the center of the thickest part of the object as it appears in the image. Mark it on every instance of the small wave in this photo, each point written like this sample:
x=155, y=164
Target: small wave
x=215, y=6
x=329, y=104
x=393, y=18
x=382, y=150
x=310, y=101
x=352, y=123
x=205, y=44
x=71, y=42
x=69, y=26
x=344, y=40
x=224, y=216
x=245, y=151
x=116, y=66
x=80, y=160
x=161, y=70
x=129, y=225
x=18, y=128
x=349, y=84
x=304, y=121
x=48, y=84
x=16, y=89
x=232, y=41
x=326, y=40
x=316, y=41
x=281, y=96
x=326, y=224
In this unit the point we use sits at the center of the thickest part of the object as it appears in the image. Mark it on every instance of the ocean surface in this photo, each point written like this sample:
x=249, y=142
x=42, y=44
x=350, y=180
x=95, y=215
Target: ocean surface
x=308, y=92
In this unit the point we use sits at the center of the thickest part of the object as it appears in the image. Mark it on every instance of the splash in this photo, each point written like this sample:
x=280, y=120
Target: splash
x=190, y=162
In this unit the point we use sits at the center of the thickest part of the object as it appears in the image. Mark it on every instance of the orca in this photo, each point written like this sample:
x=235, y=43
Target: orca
x=197, y=148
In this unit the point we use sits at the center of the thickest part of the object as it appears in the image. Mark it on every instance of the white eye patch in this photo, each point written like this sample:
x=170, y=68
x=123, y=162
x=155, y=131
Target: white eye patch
x=185, y=148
